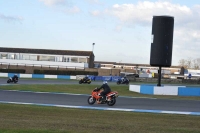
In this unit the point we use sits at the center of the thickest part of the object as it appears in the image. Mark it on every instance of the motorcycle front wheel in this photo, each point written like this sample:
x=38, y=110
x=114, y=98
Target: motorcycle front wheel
x=91, y=100
x=8, y=81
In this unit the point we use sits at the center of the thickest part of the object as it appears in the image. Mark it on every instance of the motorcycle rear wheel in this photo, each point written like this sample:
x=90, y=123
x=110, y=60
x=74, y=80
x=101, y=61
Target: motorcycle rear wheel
x=91, y=100
x=112, y=102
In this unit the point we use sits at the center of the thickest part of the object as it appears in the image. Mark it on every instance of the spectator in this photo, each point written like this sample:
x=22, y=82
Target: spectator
x=190, y=76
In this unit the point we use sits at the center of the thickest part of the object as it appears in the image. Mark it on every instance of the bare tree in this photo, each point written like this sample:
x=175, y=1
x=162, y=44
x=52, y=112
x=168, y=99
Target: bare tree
x=196, y=63
x=189, y=63
x=183, y=63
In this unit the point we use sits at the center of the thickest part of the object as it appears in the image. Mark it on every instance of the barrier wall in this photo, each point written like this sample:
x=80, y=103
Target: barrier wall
x=38, y=76
x=165, y=90
x=78, y=77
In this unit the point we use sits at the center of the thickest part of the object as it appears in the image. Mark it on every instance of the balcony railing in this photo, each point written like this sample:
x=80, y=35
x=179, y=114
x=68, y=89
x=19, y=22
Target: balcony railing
x=40, y=65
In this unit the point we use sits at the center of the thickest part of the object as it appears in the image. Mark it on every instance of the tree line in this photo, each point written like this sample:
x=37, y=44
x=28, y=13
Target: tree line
x=190, y=63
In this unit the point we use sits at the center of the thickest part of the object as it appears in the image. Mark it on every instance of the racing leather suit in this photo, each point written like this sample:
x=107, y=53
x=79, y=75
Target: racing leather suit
x=106, y=90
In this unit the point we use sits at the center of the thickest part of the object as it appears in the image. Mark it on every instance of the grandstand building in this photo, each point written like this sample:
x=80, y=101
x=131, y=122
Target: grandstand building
x=47, y=57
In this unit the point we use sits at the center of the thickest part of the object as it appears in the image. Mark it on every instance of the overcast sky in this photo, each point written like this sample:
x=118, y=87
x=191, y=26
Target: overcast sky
x=120, y=29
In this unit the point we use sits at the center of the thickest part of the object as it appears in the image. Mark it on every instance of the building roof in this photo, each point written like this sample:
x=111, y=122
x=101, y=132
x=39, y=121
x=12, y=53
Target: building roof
x=46, y=51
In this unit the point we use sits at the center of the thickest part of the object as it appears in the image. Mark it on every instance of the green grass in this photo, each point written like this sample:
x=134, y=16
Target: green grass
x=39, y=119
x=86, y=89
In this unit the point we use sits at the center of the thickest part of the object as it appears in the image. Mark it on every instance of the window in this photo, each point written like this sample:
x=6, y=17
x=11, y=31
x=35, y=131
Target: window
x=25, y=57
x=74, y=59
x=33, y=57
x=47, y=58
x=82, y=60
x=17, y=56
x=66, y=59
x=11, y=56
x=58, y=59
x=4, y=56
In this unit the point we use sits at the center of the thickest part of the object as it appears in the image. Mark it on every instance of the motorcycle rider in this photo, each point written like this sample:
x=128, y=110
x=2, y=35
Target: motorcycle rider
x=15, y=77
x=106, y=90
x=85, y=79
x=124, y=79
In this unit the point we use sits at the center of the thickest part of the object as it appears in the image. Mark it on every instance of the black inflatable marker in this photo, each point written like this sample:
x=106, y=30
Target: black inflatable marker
x=162, y=42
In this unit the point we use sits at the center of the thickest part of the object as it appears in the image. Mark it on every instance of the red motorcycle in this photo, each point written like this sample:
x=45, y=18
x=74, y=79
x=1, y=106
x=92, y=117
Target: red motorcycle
x=110, y=98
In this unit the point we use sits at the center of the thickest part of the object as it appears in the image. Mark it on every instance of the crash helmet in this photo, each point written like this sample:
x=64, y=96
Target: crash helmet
x=105, y=82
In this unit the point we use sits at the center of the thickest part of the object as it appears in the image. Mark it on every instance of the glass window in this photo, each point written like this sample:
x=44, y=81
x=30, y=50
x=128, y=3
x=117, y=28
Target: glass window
x=25, y=57
x=33, y=57
x=82, y=60
x=11, y=56
x=4, y=56
x=74, y=59
x=66, y=59
x=47, y=58
x=16, y=56
x=59, y=59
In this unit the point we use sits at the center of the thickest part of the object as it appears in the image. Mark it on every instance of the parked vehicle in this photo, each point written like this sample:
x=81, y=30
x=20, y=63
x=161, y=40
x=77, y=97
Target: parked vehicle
x=110, y=98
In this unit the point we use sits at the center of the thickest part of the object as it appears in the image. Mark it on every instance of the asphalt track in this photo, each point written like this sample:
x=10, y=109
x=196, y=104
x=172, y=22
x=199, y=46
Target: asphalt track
x=155, y=105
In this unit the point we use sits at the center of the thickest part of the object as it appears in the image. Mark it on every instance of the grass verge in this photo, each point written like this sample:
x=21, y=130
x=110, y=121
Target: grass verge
x=86, y=89
x=39, y=119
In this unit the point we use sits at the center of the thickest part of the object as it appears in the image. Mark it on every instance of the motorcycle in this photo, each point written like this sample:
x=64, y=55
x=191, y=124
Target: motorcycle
x=88, y=81
x=110, y=98
x=119, y=81
x=10, y=80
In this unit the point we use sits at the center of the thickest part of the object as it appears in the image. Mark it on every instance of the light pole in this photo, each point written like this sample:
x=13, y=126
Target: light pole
x=93, y=46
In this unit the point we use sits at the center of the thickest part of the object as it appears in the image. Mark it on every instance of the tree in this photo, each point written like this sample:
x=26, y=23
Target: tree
x=190, y=63
x=196, y=63
x=183, y=63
